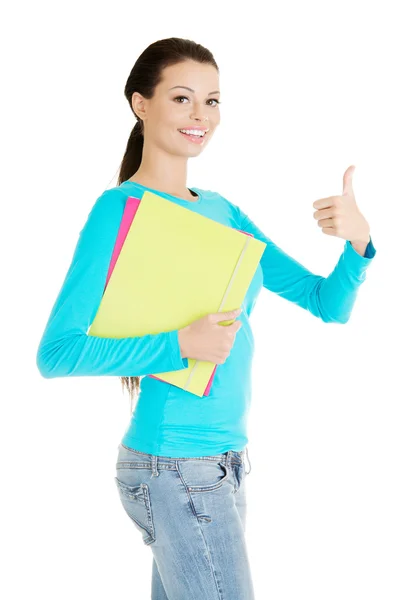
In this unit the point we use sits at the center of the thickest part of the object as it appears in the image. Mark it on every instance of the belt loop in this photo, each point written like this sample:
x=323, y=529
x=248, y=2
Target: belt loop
x=154, y=471
x=229, y=458
x=247, y=454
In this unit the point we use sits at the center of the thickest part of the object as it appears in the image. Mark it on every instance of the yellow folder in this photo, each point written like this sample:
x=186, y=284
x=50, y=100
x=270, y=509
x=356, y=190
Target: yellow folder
x=174, y=267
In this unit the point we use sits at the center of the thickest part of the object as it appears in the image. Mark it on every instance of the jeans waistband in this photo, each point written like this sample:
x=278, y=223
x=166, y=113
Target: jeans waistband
x=227, y=458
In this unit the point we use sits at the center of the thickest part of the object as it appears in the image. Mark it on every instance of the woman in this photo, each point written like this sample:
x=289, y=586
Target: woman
x=180, y=470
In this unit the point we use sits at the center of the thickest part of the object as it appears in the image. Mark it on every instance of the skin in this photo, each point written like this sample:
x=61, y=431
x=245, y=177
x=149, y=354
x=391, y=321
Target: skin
x=340, y=216
x=165, y=150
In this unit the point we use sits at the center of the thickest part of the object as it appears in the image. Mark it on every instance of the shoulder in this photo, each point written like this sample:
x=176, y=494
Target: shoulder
x=237, y=216
x=110, y=202
x=113, y=198
x=106, y=211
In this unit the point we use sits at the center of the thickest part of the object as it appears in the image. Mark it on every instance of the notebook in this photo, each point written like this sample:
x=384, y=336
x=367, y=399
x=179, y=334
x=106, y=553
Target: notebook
x=131, y=207
x=169, y=267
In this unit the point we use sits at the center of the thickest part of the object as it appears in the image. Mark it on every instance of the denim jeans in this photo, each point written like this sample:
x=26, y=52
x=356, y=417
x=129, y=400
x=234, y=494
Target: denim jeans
x=192, y=514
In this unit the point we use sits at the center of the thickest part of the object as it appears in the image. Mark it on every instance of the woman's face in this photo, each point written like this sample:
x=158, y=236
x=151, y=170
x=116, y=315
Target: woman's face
x=172, y=109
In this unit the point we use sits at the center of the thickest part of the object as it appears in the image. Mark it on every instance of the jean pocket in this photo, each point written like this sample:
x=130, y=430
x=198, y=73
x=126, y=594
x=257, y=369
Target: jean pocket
x=136, y=503
x=202, y=475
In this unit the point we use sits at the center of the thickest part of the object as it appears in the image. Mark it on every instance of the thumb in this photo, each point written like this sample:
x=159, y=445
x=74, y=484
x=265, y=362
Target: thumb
x=225, y=316
x=348, y=181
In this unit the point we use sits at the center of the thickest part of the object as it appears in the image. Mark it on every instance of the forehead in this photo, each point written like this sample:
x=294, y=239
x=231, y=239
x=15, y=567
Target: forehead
x=200, y=77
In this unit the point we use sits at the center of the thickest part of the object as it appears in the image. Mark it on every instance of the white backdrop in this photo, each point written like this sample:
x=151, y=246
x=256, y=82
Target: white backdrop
x=307, y=90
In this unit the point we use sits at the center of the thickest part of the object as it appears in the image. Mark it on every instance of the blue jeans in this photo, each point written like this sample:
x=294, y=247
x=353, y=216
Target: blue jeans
x=192, y=514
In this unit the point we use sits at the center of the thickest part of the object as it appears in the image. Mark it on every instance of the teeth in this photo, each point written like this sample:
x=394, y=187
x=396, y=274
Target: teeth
x=193, y=132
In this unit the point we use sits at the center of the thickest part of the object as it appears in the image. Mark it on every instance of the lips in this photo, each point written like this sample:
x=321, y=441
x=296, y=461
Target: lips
x=195, y=129
x=195, y=139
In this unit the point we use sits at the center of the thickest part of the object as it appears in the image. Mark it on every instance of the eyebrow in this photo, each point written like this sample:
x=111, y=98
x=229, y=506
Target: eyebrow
x=190, y=89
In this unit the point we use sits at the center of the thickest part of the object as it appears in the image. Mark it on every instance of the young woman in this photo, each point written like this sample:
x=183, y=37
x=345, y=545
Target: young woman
x=180, y=470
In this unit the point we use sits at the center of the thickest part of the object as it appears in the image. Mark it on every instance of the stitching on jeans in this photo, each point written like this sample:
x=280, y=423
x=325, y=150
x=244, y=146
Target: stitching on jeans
x=149, y=526
x=167, y=459
x=209, y=558
x=218, y=457
x=207, y=549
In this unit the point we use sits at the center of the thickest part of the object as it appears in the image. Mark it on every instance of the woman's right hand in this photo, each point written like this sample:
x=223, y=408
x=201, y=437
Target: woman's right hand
x=206, y=340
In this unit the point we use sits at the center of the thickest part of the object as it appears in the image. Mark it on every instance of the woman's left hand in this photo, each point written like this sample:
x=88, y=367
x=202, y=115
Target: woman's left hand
x=340, y=215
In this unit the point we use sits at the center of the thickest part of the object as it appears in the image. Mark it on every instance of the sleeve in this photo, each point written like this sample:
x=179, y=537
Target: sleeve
x=65, y=348
x=329, y=298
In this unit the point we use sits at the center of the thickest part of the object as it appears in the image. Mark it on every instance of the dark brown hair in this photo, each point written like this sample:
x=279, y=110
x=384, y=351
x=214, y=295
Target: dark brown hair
x=144, y=77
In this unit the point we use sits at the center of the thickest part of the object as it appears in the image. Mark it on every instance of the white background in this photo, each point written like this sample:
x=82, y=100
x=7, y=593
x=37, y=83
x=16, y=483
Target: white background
x=308, y=89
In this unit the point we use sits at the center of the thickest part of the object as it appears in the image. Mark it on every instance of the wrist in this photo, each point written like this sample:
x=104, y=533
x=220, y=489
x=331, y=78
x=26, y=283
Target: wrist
x=365, y=241
x=181, y=341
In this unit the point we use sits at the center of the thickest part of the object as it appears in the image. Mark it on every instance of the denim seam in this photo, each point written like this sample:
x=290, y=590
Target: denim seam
x=210, y=562
x=208, y=556
x=186, y=489
x=149, y=526
x=217, y=458
x=126, y=464
x=209, y=488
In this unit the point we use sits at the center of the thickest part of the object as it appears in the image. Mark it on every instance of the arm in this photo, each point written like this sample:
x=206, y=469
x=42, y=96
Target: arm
x=66, y=349
x=330, y=298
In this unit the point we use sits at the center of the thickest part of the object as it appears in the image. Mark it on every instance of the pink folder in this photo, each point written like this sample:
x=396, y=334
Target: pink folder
x=131, y=206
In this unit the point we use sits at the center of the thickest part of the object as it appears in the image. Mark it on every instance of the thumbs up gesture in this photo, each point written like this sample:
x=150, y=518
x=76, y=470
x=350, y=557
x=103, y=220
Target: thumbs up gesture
x=340, y=215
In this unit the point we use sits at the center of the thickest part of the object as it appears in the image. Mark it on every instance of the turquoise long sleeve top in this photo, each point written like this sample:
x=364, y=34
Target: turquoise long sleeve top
x=167, y=420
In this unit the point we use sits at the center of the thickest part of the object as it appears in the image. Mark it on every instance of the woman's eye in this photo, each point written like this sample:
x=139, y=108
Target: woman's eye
x=210, y=100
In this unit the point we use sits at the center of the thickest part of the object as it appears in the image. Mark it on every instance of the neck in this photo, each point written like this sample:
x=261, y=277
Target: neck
x=162, y=170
